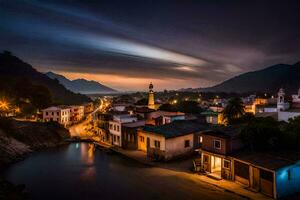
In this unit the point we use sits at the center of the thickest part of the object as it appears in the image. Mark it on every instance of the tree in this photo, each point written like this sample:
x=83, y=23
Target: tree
x=167, y=107
x=189, y=107
x=143, y=101
x=261, y=134
x=234, y=110
x=291, y=136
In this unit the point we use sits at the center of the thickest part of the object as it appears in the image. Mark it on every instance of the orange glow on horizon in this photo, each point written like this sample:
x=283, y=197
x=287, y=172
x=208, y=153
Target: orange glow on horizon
x=130, y=83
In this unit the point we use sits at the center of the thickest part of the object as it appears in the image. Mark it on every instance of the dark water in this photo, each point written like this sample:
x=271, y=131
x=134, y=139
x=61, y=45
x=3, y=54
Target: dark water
x=79, y=171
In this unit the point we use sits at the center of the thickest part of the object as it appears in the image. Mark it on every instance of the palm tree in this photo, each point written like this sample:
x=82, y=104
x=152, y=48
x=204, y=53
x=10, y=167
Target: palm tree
x=233, y=110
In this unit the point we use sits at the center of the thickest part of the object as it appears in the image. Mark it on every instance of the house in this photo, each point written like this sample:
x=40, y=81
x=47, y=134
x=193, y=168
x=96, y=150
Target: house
x=129, y=134
x=76, y=113
x=115, y=127
x=88, y=107
x=213, y=117
x=101, y=125
x=60, y=114
x=215, y=148
x=163, y=117
x=168, y=141
x=275, y=174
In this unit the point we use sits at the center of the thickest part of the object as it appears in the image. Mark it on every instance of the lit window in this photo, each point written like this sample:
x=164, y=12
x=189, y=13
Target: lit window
x=200, y=139
x=217, y=144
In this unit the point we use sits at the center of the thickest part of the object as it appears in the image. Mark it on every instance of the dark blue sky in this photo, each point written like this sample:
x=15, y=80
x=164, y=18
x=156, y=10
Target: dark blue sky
x=126, y=44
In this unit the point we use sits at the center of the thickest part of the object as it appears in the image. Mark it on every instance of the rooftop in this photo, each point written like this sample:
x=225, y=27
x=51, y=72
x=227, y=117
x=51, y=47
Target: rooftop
x=134, y=124
x=176, y=128
x=269, y=160
x=222, y=131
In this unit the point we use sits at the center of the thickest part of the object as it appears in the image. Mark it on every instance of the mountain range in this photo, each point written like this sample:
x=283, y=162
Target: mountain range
x=81, y=85
x=268, y=80
x=13, y=71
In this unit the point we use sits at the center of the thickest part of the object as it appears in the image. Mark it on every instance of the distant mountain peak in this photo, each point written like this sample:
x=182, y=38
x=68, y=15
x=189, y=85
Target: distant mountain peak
x=81, y=85
x=269, y=79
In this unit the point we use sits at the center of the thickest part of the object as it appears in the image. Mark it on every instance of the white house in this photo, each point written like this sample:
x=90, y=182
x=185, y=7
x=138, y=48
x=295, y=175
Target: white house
x=168, y=141
x=60, y=114
x=115, y=127
x=285, y=111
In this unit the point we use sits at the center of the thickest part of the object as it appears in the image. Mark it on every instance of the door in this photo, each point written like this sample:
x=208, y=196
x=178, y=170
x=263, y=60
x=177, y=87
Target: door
x=255, y=179
x=216, y=166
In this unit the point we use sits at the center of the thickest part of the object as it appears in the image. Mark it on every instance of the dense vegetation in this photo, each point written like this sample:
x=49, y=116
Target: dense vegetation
x=182, y=106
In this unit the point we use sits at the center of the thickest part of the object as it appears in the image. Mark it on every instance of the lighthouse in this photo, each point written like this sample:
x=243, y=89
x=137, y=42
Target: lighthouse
x=151, y=104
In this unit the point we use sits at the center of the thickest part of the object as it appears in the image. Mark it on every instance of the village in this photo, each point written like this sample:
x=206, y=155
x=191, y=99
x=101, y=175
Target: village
x=209, y=142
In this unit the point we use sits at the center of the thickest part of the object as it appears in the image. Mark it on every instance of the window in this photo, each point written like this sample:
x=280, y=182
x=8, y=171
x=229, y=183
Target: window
x=200, y=139
x=114, y=138
x=157, y=144
x=226, y=164
x=217, y=144
x=142, y=139
x=186, y=143
x=118, y=138
x=47, y=113
x=118, y=128
x=110, y=126
x=52, y=113
x=267, y=175
x=57, y=113
x=114, y=127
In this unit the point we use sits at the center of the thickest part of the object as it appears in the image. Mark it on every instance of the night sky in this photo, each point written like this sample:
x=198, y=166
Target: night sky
x=175, y=44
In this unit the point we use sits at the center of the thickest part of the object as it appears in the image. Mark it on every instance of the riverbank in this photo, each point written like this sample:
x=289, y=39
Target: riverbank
x=20, y=138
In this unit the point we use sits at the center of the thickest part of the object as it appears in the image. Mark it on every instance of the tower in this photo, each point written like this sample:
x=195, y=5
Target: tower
x=281, y=105
x=151, y=97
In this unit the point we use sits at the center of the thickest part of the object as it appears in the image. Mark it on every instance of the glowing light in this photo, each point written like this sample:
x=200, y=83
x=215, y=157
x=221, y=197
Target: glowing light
x=4, y=105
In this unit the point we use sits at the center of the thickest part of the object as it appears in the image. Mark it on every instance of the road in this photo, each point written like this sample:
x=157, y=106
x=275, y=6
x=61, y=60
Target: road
x=81, y=129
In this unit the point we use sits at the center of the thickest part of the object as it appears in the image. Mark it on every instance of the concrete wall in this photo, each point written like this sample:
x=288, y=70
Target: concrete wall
x=143, y=145
x=208, y=144
x=284, y=116
x=176, y=146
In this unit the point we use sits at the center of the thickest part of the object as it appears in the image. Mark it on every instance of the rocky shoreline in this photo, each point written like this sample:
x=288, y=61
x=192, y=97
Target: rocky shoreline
x=20, y=138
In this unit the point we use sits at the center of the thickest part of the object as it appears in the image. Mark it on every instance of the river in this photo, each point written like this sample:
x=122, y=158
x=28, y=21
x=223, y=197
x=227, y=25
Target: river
x=81, y=171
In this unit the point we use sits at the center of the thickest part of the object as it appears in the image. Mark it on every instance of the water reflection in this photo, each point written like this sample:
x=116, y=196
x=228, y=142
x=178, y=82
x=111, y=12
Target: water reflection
x=87, y=154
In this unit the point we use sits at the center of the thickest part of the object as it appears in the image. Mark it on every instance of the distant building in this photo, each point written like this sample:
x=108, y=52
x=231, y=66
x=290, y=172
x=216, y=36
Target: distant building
x=163, y=117
x=213, y=117
x=88, y=107
x=115, y=127
x=129, y=134
x=151, y=103
x=60, y=114
x=281, y=104
x=76, y=113
x=285, y=110
x=168, y=141
x=101, y=125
